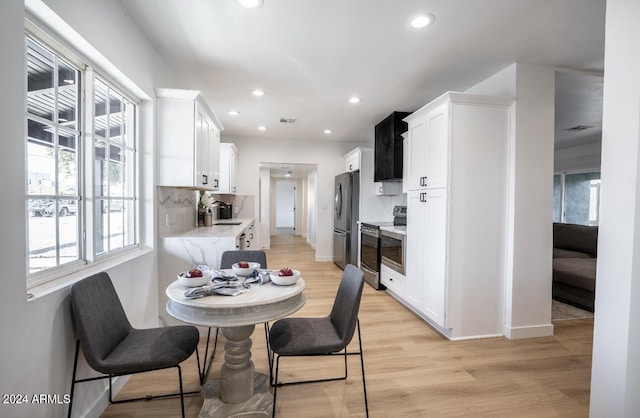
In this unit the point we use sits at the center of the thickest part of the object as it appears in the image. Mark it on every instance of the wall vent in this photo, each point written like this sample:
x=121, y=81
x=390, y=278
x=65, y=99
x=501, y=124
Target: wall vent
x=288, y=121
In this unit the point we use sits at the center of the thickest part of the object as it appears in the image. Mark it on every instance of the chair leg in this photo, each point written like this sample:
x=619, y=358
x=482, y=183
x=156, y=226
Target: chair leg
x=181, y=390
x=269, y=352
x=275, y=387
x=364, y=383
x=73, y=377
x=207, y=363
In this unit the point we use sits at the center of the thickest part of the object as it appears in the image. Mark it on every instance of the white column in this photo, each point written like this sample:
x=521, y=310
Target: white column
x=615, y=377
x=529, y=233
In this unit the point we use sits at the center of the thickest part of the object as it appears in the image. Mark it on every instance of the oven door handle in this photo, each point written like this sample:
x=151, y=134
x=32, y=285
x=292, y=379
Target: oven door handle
x=367, y=269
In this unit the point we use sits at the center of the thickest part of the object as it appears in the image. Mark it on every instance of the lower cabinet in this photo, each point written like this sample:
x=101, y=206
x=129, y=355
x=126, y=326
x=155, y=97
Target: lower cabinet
x=247, y=240
x=394, y=281
x=455, y=270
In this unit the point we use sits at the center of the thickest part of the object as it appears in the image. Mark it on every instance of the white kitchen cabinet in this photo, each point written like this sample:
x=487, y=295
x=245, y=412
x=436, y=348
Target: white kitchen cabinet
x=188, y=133
x=352, y=160
x=228, y=168
x=426, y=252
x=457, y=213
x=394, y=281
x=428, y=141
x=247, y=240
x=388, y=188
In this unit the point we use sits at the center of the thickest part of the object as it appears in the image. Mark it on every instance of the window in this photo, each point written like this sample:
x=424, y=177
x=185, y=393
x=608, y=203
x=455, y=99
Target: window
x=53, y=159
x=65, y=165
x=115, y=162
x=576, y=198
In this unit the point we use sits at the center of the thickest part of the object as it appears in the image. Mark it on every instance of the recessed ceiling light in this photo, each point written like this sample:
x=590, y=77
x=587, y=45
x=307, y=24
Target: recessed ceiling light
x=257, y=92
x=233, y=112
x=262, y=128
x=421, y=20
x=251, y=4
x=354, y=99
x=327, y=131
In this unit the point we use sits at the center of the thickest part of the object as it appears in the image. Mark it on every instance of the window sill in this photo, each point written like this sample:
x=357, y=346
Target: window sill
x=44, y=289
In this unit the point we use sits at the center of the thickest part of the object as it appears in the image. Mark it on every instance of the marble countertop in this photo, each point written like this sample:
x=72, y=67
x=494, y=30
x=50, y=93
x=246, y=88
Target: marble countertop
x=398, y=229
x=220, y=228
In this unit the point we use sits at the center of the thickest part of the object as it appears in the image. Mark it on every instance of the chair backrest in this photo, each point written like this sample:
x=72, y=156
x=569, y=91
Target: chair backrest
x=98, y=316
x=344, y=313
x=231, y=257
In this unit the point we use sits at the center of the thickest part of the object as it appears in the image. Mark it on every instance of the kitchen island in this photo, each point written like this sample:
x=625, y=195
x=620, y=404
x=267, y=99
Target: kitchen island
x=200, y=246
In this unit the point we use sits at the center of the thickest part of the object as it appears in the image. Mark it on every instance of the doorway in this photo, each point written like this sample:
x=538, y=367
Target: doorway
x=285, y=207
x=274, y=215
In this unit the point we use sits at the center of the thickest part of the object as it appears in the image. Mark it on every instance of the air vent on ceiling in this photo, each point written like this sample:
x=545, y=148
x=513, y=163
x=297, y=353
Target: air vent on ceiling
x=289, y=121
x=578, y=128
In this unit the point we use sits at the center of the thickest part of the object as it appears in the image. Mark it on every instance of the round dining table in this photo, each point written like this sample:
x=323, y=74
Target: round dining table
x=239, y=390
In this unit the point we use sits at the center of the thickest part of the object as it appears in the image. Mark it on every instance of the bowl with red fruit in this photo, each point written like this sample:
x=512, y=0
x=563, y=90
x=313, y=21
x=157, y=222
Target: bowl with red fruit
x=194, y=277
x=244, y=268
x=285, y=276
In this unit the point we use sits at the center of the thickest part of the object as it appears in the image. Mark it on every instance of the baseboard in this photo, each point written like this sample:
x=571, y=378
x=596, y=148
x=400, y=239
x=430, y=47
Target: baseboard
x=530, y=331
x=101, y=402
x=310, y=244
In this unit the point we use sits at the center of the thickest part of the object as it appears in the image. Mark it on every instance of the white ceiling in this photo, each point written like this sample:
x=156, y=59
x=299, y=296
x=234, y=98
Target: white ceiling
x=311, y=56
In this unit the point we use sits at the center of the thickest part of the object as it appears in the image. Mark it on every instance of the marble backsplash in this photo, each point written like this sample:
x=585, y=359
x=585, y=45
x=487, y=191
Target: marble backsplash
x=177, y=208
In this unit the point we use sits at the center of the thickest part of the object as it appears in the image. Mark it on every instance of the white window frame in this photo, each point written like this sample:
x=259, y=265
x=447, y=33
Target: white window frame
x=563, y=175
x=88, y=258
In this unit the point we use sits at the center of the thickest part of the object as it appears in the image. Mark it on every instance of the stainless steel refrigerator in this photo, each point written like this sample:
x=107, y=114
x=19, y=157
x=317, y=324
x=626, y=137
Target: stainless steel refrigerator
x=345, y=219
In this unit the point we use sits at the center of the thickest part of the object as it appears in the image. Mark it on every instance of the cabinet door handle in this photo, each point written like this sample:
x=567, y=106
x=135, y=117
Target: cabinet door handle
x=216, y=183
x=251, y=236
x=350, y=167
x=423, y=197
x=234, y=189
x=205, y=179
x=248, y=244
x=380, y=189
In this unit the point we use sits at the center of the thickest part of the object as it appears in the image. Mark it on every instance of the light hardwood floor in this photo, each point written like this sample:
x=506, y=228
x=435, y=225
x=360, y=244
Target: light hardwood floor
x=411, y=370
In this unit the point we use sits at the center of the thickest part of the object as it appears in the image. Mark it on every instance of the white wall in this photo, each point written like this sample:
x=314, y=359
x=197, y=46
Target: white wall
x=581, y=157
x=312, y=205
x=327, y=155
x=36, y=353
x=529, y=237
x=615, y=374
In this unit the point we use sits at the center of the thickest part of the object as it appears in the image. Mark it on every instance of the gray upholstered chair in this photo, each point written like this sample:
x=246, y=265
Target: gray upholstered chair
x=113, y=347
x=228, y=259
x=299, y=337
x=254, y=256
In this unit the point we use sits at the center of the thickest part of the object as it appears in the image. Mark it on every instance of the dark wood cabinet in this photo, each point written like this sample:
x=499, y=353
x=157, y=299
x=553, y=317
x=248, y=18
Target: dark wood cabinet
x=388, y=147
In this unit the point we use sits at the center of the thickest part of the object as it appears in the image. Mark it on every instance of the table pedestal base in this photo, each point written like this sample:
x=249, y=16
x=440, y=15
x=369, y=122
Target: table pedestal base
x=259, y=405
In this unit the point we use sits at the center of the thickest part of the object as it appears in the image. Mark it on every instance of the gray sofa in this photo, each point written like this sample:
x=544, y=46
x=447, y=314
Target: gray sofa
x=575, y=252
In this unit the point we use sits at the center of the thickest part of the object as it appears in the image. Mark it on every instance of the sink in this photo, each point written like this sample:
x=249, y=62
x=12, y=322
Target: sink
x=228, y=223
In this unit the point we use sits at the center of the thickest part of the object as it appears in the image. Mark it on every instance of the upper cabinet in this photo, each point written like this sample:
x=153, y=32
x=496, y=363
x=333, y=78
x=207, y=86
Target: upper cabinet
x=188, y=147
x=228, y=168
x=352, y=160
x=388, y=147
x=427, y=143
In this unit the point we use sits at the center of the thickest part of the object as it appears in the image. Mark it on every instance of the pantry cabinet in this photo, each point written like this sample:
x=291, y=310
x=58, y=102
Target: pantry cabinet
x=457, y=213
x=228, y=168
x=188, y=146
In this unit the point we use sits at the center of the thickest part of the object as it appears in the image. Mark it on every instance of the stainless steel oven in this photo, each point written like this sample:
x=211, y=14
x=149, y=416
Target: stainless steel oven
x=392, y=250
x=370, y=254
